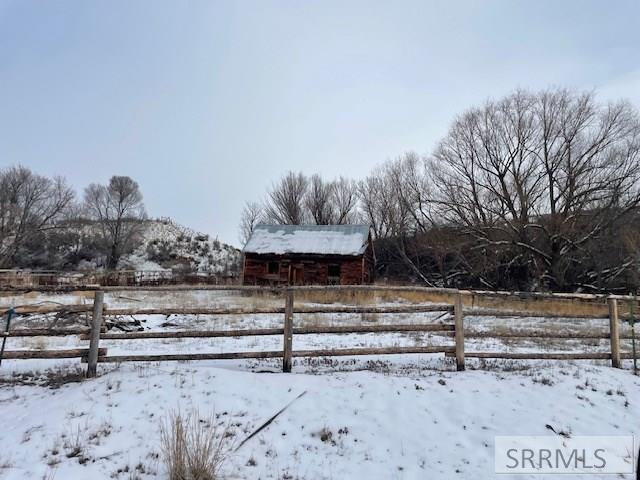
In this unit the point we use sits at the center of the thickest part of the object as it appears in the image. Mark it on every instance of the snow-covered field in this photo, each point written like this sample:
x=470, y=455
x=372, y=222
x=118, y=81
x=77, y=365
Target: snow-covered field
x=409, y=416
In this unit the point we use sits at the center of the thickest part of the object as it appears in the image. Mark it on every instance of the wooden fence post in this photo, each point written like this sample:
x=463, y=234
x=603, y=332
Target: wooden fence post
x=288, y=331
x=614, y=331
x=94, y=340
x=459, y=325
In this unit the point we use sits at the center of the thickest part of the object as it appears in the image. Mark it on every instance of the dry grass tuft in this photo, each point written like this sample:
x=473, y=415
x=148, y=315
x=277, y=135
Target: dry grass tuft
x=346, y=297
x=192, y=447
x=52, y=378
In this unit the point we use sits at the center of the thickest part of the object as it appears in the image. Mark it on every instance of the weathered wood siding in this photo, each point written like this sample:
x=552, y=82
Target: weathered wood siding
x=368, y=264
x=306, y=269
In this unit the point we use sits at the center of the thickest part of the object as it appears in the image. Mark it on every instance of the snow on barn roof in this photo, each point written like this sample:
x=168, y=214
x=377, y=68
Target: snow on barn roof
x=312, y=239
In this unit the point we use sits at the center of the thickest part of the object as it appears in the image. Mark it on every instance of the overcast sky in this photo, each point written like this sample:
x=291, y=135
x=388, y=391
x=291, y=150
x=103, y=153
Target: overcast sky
x=206, y=103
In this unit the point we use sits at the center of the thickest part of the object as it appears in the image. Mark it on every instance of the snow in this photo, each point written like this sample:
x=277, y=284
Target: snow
x=177, y=245
x=314, y=239
x=390, y=425
x=388, y=417
x=137, y=261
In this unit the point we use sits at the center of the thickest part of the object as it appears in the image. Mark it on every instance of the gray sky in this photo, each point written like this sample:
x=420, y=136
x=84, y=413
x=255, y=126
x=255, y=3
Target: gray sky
x=206, y=103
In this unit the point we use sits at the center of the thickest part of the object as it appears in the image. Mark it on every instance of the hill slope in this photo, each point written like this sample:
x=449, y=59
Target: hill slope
x=168, y=245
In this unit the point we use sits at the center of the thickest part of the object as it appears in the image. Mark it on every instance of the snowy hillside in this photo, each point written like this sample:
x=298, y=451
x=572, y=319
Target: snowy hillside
x=168, y=245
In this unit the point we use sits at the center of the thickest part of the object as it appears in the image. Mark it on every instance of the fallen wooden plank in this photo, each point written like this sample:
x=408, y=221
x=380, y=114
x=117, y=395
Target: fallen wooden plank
x=48, y=354
x=268, y=422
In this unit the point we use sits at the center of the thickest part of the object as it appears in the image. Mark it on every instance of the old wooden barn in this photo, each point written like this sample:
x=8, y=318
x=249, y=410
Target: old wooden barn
x=309, y=255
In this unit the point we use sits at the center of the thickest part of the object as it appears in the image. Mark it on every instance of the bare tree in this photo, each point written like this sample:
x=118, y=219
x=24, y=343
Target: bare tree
x=285, y=201
x=296, y=199
x=542, y=175
x=531, y=191
x=30, y=204
x=318, y=200
x=410, y=177
x=344, y=198
x=252, y=214
x=331, y=203
x=118, y=210
x=381, y=203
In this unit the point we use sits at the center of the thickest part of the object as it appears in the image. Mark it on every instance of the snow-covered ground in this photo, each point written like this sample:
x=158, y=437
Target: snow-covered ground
x=399, y=416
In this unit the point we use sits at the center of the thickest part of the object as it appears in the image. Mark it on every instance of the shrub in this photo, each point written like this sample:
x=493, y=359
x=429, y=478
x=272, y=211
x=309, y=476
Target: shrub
x=159, y=251
x=192, y=447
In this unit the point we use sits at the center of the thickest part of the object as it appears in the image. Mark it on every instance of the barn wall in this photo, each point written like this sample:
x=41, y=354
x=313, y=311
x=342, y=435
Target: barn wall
x=368, y=264
x=351, y=272
x=311, y=270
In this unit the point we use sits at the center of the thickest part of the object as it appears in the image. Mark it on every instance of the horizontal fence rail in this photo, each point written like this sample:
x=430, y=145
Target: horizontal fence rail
x=47, y=309
x=277, y=310
x=494, y=312
x=45, y=332
x=339, y=352
x=541, y=356
x=68, y=353
x=449, y=324
x=279, y=331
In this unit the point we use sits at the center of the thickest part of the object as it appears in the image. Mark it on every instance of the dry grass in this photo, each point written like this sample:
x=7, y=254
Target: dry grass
x=371, y=297
x=35, y=343
x=52, y=378
x=336, y=296
x=192, y=447
x=369, y=317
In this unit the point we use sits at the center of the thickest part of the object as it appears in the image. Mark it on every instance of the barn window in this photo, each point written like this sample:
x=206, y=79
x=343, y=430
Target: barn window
x=274, y=268
x=334, y=274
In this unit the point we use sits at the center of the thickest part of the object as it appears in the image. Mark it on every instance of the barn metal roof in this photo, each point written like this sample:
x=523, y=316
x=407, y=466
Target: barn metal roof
x=310, y=239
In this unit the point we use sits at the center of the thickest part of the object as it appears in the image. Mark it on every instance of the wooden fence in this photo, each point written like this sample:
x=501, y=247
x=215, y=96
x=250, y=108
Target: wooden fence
x=132, y=278
x=453, y=327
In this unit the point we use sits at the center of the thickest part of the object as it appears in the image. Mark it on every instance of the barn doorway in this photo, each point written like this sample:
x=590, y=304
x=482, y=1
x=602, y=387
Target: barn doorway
x=296, y=274
x=333, y=274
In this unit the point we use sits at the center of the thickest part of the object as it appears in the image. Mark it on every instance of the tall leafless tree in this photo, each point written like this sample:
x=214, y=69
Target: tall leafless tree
x=381, y=201
x=30, y=204
x=344, y=198
x=285, y=200
x=118, y=210
x=252, y=215
x=542, y=174
x=318, y=200
x=537, y=190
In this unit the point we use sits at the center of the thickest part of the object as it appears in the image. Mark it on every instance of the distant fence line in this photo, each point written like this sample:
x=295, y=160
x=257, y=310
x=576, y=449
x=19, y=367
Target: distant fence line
x=450, y=324
x=501, y=304
x=45, y=278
